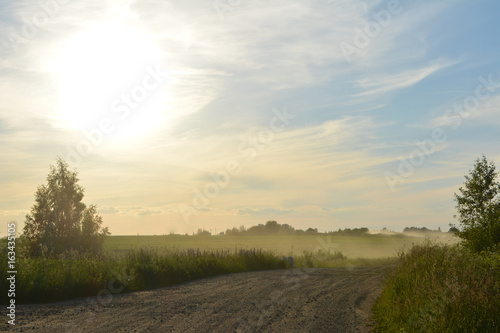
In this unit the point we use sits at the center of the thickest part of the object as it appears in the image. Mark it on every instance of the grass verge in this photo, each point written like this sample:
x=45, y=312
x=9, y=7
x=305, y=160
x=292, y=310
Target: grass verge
x=441, y=288
x=70, y=276
x=48, y=279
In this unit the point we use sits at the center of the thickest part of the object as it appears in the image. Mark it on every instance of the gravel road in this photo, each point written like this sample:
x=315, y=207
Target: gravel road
x=298, y=300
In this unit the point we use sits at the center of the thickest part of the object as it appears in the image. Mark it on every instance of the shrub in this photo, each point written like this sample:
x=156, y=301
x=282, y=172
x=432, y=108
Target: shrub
x=437, y=288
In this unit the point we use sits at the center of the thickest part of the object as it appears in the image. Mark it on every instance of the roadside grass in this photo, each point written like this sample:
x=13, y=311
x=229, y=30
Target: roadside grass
x=48, y=279
x=322, y=258
x=441, y=288
x=72, y=275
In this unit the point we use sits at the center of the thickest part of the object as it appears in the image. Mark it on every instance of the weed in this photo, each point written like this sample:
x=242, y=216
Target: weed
x=441, y=288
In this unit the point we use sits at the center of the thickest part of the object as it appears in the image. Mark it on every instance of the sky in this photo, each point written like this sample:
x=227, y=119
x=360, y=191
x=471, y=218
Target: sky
x=181, y=115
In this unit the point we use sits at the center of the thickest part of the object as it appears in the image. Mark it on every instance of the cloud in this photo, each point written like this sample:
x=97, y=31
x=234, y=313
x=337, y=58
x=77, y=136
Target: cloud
x=225, y=78
x=149, y=212
x=383, y=83
x=456, y=115
x=265, y=211
x=253, y=46
x=108, y=210
x=131, y=211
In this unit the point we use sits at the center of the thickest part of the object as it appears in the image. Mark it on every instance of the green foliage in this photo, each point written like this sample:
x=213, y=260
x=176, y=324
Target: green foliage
x=351, y=232
x=478, y=208
x=59, y=220
x=152, y=269
x=203, y=232
x=274, y=228
x=416, y=229
x=71, y=274
x=322, y=258
x=270, y=228
x=436, y=288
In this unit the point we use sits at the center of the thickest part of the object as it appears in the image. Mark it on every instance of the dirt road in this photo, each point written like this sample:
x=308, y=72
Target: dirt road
x=313, y=300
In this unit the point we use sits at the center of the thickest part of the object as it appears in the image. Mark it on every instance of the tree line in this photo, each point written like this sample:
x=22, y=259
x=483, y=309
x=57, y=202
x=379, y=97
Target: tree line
x=275, y=228
x=59, y=220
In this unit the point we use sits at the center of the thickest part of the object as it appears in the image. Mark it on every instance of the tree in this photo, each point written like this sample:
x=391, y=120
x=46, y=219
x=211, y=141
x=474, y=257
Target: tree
x=203, y=232
x=92, y=232
x=312, y=231
x=272, y=227
x=478, y=207
x=59, y=220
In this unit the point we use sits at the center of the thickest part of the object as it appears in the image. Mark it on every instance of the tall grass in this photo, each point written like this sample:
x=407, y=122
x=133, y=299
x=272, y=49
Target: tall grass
x=441, y=288
x=72, y=275
x=322, y=258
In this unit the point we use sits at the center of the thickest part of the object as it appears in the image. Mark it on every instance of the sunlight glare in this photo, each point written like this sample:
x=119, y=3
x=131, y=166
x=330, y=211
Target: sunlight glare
x=97, y=68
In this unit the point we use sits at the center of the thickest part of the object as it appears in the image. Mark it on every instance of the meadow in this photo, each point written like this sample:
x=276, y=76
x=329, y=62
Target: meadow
x=369, y=247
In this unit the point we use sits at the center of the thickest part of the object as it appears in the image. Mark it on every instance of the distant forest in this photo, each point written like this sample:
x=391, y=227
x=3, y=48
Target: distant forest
x=274, y=228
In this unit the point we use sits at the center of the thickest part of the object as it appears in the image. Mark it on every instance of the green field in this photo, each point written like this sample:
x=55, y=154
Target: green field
x=375, y=246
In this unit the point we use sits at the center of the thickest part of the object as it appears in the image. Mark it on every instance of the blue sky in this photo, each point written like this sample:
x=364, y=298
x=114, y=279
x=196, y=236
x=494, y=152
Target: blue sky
x=325, y=114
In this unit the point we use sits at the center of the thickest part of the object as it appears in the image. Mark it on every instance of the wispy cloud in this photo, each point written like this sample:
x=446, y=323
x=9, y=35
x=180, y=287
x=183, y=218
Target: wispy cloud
x=384, y=83
x=268, y=212
x=353, y=121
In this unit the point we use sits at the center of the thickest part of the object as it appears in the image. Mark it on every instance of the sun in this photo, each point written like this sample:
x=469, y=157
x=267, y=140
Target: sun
x=110, y=73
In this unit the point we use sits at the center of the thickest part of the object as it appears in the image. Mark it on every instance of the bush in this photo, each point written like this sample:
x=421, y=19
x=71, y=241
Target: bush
x=437, y=288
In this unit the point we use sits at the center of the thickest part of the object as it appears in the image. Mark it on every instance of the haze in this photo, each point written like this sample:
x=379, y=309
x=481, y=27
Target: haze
x=187, y=115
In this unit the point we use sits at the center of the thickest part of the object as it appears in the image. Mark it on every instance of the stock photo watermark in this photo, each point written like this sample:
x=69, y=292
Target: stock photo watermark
x=225, y=6
x=11, y=272
x=363, y=36
x=103, y=298
x=115, y=286
x=32, y=25
x=292, y=279
x=121, y=106
x=453, y=117
x=247, y=150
